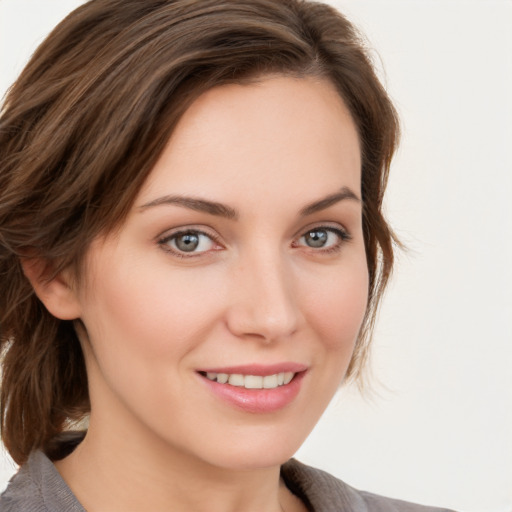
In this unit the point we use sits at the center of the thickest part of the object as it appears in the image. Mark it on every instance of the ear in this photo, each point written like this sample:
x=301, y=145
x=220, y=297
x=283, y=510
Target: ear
x=57, y=293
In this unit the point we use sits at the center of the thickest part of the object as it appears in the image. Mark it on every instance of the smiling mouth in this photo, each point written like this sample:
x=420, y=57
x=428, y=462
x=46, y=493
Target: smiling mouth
x=251, y=381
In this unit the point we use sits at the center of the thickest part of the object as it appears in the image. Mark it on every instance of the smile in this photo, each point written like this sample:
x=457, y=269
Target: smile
x=252, y=381
x=254, y=388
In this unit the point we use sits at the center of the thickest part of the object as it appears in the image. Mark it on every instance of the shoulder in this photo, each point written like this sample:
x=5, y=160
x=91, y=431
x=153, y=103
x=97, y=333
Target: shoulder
x=24, y=491
x=323, y=492
x=38, y=487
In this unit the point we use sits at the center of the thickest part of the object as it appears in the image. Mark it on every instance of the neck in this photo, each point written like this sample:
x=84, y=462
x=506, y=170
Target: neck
x=112, y=471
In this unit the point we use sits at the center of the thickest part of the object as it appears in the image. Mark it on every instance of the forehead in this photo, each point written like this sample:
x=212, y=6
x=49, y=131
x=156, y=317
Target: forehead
x=270, y=133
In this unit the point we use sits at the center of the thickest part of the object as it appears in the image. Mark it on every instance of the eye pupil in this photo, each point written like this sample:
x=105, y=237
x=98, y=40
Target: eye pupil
x=316, y=238
x=187, y=242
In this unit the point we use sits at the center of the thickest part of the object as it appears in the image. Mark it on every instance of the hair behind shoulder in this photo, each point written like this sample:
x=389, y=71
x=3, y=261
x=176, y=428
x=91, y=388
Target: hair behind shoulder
x=83, y=126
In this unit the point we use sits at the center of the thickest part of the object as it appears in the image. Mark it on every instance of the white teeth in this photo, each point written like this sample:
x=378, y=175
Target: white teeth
x=236, y=380
x=269, y=381
x=288, y=376
x=252, y=381
x=222, y=378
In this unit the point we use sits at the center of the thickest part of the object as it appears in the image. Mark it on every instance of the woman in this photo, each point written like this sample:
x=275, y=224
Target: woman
x=193, y=251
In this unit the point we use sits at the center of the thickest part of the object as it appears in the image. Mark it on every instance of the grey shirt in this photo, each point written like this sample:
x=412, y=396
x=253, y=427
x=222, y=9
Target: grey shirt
x=38, y=487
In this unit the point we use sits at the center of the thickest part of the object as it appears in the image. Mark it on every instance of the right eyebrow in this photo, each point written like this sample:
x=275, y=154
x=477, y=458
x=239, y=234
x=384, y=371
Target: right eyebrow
x=194, y=203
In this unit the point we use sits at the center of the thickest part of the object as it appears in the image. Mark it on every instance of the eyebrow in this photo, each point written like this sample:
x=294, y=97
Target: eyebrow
x=322, y=204
x=195, y=203
x=222, y=210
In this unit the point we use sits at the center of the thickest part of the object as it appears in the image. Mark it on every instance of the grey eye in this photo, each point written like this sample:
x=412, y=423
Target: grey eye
x=190, y=242
x=316, y=238
x=324, y=238
x=187, y=242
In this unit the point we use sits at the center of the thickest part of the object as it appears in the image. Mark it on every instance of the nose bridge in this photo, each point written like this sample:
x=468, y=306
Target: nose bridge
x=264, y=304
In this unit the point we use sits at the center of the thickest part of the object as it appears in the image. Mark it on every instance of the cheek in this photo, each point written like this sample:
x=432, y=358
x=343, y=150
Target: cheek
x=142, y=327
x=339, y=305
x=151, y=313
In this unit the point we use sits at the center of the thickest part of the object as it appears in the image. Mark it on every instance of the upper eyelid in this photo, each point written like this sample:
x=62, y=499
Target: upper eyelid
x=342, y=233
x=167, y=236
x=332, y=226
x=169, y=233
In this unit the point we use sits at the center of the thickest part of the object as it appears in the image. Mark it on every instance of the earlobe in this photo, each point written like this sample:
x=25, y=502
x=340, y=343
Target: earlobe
x=57, y=293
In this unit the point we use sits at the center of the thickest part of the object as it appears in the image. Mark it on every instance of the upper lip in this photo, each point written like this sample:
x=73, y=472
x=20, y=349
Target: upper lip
x=257, y=369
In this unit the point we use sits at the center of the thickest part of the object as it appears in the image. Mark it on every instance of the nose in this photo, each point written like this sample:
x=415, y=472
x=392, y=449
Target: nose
x=263, y=301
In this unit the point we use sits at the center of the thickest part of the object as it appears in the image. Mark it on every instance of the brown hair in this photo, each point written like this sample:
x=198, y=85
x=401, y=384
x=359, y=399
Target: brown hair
x=84, y=124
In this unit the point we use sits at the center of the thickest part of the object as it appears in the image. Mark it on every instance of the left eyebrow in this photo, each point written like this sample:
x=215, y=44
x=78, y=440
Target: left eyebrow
x=322, y=204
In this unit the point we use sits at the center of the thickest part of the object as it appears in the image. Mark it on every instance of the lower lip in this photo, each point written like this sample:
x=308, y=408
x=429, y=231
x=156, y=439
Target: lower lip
x=257, y=400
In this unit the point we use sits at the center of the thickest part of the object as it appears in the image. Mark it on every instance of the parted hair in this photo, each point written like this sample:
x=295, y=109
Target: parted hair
x=84, y=124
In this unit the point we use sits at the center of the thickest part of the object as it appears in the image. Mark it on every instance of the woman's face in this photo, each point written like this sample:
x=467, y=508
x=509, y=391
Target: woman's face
x=242, y=260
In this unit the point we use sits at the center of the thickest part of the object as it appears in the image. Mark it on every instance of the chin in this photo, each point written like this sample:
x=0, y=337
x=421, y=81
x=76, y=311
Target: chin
x=257, y=451
x=249, y=461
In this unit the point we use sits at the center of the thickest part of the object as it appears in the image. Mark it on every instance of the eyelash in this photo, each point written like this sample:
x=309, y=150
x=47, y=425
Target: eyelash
x=342, y=234
x=163, y=242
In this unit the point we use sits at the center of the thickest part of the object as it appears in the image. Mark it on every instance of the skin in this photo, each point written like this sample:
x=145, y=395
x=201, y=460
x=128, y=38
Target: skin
x=254, y=291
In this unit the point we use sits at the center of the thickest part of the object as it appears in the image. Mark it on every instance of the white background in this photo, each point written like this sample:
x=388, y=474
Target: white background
x=438, y=428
